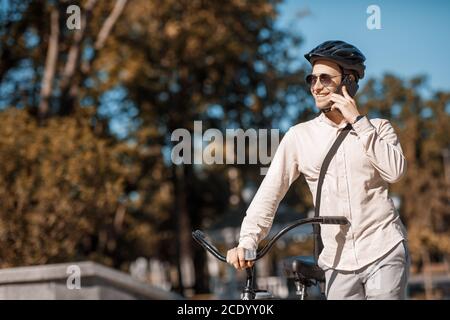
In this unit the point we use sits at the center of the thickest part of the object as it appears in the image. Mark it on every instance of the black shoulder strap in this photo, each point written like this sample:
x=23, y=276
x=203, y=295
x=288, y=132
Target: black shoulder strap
x=318, y=245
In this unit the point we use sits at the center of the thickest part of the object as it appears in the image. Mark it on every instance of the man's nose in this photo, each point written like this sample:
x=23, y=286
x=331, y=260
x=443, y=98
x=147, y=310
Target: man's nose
x=317, y=86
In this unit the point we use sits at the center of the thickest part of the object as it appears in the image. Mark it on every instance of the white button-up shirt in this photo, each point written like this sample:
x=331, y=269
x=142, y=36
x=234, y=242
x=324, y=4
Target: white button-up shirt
x=355, y=186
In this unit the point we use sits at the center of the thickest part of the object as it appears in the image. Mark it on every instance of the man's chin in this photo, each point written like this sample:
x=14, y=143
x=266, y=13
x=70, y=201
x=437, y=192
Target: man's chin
x=322, y=105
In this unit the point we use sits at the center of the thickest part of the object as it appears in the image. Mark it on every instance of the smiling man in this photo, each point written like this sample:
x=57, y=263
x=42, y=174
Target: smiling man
x=368, y=259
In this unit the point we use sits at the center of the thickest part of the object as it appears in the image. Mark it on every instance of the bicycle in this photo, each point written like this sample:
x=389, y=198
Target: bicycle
x=305, y=271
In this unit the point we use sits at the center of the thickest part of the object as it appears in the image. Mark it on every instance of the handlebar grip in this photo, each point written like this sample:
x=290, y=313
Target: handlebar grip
x=334, y=220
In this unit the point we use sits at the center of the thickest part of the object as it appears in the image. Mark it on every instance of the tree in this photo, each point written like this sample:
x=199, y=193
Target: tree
x=174, y=62
x=61, y=191
x=179, y=61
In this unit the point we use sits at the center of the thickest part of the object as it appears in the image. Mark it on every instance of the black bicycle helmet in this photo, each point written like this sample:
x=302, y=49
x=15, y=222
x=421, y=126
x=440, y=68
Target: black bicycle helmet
x=344, y=54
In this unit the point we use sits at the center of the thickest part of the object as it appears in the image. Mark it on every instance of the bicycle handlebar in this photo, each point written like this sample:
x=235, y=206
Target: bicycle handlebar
x=199, y=236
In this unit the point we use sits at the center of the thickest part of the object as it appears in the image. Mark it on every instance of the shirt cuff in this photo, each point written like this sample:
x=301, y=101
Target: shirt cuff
x=363, y=126
x=247, y=243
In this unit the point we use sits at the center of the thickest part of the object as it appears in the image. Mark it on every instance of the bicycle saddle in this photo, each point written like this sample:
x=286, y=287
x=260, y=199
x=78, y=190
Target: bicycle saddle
x=304, y=267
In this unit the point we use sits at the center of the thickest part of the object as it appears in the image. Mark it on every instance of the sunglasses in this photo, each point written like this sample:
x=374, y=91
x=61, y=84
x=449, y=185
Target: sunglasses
x=325, y=79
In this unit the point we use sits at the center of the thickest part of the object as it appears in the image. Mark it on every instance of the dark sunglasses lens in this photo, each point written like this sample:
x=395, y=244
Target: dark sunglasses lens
x=325, y=79
x=311, y=79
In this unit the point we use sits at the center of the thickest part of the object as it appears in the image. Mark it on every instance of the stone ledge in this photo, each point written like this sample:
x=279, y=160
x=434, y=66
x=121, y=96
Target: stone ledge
x=49, y=282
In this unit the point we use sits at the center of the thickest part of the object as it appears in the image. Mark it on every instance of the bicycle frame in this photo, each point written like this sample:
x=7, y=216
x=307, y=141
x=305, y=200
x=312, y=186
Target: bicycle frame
x=249, y=292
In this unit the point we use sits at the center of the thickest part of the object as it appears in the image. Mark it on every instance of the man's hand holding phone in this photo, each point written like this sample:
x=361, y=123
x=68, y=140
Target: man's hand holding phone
x=346, y=105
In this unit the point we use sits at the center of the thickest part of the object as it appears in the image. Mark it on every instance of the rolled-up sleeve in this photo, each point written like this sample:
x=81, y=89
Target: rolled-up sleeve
x=283, y=171
x=383, y=148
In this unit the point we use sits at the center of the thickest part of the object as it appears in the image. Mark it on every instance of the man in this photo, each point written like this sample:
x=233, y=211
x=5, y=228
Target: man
x=367, y=259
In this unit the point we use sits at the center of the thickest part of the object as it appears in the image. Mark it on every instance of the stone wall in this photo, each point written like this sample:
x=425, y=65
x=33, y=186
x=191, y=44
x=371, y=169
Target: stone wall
x=78, y=280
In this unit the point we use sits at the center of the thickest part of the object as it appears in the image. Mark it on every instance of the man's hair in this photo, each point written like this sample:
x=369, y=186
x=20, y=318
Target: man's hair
x=343, y=71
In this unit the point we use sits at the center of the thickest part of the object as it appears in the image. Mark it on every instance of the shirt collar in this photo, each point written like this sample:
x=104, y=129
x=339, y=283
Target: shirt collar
x=323, y=118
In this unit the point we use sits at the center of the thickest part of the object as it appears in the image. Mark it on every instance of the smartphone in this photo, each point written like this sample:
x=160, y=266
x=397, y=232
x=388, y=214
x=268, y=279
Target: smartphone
x=351, y=86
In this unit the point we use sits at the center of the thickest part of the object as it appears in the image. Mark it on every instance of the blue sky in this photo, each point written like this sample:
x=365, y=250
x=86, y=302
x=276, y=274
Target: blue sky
x=414, y=37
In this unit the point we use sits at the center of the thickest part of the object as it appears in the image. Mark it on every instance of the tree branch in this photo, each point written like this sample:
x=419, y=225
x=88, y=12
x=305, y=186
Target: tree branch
x=50, y=64
x=104, y=33
x=74, y=51
x=109, y=23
